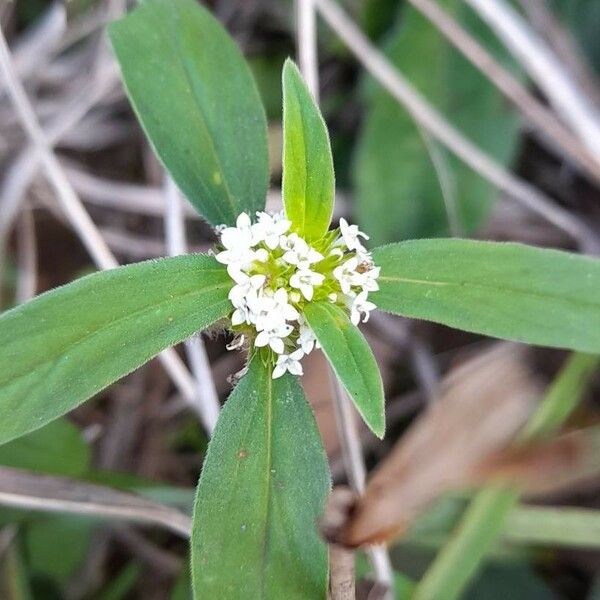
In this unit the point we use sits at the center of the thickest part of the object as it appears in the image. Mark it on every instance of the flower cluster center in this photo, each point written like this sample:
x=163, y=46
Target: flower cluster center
x=276, y=273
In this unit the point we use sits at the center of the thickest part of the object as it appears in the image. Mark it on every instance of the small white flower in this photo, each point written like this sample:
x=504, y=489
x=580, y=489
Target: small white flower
x=345, y=274
x=245, y=284
x=307, y=339
x=360, y=305
x=305, y=280
x=367, y=280
x=238, y=242
x=270, y=228
x=282, y=305
x=274, y=337
x=298, y=252
x=288, y=362
x=350, y=234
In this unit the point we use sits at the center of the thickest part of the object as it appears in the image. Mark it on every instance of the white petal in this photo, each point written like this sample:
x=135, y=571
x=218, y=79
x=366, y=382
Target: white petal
x=238, y=317
x=317, y=278
x=276, y=345
x=354, y=316
x=278, y=371
x=307, y=291
x=272, y=241
x=257, y=281
x=261, y=255
x=313, y=256
x=295, y=368
x=291, y=257
x=290, y=313
x=243, y=221
x=262, y=339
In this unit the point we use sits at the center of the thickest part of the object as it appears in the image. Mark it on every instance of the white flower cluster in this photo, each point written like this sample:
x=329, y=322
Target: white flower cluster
x=277, y=272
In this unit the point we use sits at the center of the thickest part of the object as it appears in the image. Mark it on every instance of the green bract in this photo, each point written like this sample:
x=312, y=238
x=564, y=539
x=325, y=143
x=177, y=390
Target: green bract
x=265, y=477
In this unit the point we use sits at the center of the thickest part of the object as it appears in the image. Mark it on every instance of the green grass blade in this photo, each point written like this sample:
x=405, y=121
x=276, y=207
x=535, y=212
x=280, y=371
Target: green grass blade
x=198, y=104
x=262, y=489
x=68, y=344
x=352, y=360
x=505, y=290
x=308, y=186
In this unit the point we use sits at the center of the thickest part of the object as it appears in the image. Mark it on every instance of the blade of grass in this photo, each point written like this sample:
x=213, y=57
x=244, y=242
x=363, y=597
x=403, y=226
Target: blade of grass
x=484, y=519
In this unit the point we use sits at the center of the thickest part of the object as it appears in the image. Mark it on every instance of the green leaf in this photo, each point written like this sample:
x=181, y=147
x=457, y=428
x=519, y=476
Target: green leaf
x=56, y=545
x=57, y=448
x=398, y=187
x=514, y=581
x=262, y=489
x=68, y=344
x=198, y=104
x=308, y=185
x=351, y=359
x=505, y=290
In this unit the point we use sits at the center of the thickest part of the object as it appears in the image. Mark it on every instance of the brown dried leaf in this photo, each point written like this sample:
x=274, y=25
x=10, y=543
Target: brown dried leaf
x=481, y=407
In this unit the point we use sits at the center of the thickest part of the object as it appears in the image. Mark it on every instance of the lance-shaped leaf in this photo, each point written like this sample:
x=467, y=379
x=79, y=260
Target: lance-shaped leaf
x=66, y=345
x=351, y=359
x=198, y=104
x=505, y=290
x=308, y=186
x=262, y=489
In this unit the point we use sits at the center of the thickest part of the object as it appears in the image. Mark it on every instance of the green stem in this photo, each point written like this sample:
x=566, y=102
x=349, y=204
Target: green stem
x=484, y=519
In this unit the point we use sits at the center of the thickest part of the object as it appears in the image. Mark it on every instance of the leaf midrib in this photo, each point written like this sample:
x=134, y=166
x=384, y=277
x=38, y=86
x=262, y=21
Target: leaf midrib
x=57, y=355
x=520, y=291
x=268, y=485
x=202, y=121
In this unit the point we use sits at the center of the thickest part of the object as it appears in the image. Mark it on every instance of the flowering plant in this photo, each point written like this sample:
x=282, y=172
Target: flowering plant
x=276, y=273
x=284, y=285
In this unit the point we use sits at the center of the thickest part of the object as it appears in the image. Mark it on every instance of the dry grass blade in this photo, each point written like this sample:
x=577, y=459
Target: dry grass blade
x=542, y=119
x=481, y=407
x=432, y=121
x=48, y=493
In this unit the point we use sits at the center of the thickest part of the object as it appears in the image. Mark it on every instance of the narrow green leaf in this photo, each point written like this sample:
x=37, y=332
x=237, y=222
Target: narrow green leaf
x=197, y=101
x=66, y=345
x=262, y=489
x=484, y=519
x=351, y=359
x=550, y=526
x=505, y=290
x=399, y=172
x=308, y=185
x=56, y=545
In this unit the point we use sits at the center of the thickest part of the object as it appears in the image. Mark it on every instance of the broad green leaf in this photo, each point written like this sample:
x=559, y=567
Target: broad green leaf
x=198, y=104
x=308, y=185
x=56, y=545
x=505, y=290
x=68, y=344
x=398, y=189
x=262, y=489
x=351, y=359
x=57, y=448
